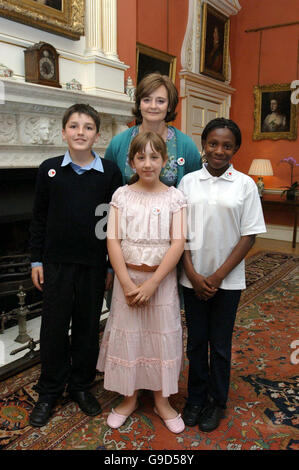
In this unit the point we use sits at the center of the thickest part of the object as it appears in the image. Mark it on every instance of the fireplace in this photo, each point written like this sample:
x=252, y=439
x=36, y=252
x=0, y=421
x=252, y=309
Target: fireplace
x=16, y=203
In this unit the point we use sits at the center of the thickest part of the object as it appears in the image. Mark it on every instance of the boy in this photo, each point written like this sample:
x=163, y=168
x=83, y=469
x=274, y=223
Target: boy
x=69, y=262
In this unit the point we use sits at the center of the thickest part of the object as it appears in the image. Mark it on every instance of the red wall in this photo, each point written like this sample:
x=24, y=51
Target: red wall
x=278, y=64
x=160, y=24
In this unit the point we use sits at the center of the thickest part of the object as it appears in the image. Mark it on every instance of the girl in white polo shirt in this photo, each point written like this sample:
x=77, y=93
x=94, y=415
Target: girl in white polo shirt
x=224, y=215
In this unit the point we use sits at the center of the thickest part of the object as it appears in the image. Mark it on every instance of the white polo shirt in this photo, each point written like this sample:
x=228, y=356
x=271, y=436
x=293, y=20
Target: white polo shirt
x=220, y=211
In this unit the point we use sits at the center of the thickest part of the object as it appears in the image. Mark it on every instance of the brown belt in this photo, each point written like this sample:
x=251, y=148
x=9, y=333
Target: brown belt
x=142, y=267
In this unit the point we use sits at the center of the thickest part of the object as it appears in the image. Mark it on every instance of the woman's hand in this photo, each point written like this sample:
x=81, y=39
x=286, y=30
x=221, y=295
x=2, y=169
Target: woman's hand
x=142, y=293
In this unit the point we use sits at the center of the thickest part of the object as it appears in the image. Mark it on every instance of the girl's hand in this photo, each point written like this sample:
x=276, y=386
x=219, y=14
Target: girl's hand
x=214, y=280
x=127, y=289
x=143, y=292
x=203, y=288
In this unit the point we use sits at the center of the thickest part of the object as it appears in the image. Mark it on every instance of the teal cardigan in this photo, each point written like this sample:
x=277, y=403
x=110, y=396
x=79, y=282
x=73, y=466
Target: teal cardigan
x=118, y=148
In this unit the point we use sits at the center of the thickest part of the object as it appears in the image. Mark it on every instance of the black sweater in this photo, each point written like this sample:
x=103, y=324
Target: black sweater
x=64, y=220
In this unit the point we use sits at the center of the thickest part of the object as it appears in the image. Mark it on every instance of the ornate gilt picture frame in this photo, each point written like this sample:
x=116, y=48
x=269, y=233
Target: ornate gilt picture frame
x=152, y=60
x=214, y=43
x=63, y=17
x=275, y=117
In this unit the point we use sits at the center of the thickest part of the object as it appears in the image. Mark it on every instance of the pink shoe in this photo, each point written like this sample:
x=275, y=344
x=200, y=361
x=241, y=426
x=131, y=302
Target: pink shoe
x=175, y=425
x=116, y=420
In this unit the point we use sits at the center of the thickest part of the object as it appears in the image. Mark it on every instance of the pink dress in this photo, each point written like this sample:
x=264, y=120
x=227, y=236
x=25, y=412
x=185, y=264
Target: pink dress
x=142, y=346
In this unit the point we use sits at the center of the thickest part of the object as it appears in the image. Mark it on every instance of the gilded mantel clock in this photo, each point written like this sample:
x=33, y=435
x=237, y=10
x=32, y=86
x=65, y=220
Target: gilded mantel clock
x=41, y=65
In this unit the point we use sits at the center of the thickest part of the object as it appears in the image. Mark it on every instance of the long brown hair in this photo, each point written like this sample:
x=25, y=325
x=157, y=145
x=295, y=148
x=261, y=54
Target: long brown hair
x=138, y=145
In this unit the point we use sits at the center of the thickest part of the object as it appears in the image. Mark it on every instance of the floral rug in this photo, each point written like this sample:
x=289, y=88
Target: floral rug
x=262, y=412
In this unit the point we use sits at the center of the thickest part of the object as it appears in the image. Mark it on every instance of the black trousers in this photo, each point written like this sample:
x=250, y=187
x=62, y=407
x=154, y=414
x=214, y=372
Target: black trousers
x=72, y=293
x=210, y=323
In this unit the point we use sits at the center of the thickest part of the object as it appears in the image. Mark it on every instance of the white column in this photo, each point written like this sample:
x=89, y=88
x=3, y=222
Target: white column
x=94, y=27
x=109, y=25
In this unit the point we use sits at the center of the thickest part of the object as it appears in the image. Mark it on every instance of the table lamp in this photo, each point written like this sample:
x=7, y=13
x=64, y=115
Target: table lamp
x=260, y=167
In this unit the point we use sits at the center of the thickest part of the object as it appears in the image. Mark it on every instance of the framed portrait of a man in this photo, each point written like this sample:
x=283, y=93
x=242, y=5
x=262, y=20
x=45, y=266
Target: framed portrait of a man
x=214, y=43
x=275, y=117
x=63, y=17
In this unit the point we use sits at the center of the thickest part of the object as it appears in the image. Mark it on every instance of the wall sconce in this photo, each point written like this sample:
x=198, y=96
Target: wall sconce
x=260, y=167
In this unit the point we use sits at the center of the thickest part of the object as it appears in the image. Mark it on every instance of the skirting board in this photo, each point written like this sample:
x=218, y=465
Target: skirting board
x=279, y=232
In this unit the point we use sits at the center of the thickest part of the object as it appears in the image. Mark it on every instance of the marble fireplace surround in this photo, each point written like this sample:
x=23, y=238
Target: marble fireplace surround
x=30, y=121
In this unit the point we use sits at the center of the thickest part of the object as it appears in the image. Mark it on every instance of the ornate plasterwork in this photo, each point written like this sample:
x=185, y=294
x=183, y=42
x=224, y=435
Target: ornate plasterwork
x=30, y=122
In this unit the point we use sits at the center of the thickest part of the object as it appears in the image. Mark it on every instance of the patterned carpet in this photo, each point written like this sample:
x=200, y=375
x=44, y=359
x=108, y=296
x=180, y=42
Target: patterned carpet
x=262, y=413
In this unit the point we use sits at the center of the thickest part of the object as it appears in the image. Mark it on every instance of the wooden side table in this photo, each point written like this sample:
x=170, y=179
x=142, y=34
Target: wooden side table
x=275, y=202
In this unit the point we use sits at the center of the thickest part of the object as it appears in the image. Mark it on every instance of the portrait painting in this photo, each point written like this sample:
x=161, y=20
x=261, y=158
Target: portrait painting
x=63, y=17
x=275, y=117
x=214, y=43
x=57, y=4
x=150, y=60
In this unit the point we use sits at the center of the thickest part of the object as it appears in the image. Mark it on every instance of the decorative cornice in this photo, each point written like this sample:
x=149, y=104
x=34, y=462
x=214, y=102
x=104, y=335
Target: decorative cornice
x=24, y=94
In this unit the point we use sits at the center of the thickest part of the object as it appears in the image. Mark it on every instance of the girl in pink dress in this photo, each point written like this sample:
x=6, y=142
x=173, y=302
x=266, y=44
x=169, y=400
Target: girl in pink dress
x=142, y=343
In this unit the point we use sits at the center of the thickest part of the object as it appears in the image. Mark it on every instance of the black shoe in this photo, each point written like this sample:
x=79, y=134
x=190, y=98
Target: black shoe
x=210, y=417
x=41, y=414
x=87, y=402
x=191, y=414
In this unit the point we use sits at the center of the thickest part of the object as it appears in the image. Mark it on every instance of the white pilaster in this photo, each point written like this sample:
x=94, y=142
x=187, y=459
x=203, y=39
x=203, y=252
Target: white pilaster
x=93, y=27
x=109, y=25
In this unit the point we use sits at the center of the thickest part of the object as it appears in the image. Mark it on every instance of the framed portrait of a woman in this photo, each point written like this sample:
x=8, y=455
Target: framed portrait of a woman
x=214, y=43
x=275, y=117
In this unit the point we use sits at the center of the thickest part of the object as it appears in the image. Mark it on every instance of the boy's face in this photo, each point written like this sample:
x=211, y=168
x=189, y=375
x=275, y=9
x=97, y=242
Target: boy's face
x=80, y=133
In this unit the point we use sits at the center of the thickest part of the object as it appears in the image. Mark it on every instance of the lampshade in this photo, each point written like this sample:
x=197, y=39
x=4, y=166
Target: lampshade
x=260, y=167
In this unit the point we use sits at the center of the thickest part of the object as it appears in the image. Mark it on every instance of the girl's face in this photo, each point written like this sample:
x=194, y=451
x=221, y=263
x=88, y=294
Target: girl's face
x=148, y=164
x=219, y=147
x=154, y=107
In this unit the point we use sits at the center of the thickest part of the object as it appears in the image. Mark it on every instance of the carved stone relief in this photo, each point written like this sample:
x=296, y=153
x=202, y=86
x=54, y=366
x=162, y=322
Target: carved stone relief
x=8, y=129
x=40, y=130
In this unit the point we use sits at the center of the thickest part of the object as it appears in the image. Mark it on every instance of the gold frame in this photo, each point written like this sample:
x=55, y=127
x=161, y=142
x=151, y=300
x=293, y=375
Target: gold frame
x=68, y=22
x=156, y=54
x=220, y=18
x=259, y=115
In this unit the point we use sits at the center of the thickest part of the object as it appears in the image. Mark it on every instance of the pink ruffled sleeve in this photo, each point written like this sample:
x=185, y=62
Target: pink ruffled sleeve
x=178, y=201
x=118, y=198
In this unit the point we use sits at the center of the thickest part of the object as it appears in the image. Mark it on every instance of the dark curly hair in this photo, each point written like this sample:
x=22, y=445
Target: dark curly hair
x=219, y=123
x=150, y=83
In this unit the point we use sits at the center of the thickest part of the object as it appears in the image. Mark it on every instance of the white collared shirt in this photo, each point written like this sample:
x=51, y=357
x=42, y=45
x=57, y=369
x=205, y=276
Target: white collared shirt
x=220, y=211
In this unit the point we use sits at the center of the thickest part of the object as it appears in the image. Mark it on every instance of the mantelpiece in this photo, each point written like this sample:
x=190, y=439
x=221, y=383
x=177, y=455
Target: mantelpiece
x=30, y=118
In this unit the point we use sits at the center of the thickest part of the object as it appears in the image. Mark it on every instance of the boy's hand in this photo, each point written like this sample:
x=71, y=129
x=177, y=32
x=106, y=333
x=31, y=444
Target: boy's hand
x=37, y=276
x=109, y=280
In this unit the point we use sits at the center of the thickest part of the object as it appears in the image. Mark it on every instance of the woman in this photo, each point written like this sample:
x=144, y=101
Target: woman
x=156, y=101
x=275, y=121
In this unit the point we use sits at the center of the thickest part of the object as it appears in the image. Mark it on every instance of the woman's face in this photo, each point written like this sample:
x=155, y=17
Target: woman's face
x=219, y=147
x=154, y=107
x=273, y=105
